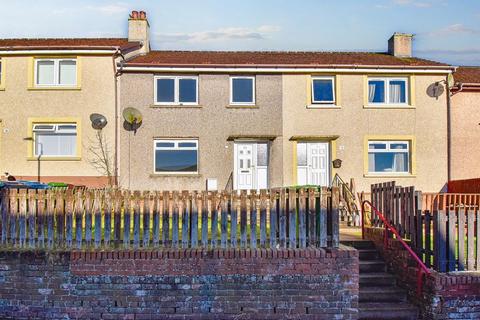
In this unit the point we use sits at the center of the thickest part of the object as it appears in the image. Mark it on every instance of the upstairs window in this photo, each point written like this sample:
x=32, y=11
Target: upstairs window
x=388, y=157
x=176, y=156
x=56, y=72
x=179, y=90
x=242, y=90
x=387, y=91
x=323, y=90
x=55, y=140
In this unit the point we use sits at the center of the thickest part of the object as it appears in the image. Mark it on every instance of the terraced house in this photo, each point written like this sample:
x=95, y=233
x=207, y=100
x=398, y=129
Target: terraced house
x=251, y=120
x=222, y=120
x=48, y=90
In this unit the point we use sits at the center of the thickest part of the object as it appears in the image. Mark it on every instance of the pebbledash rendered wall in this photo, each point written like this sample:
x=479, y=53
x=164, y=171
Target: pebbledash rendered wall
x=180, y=284
x=445, y=295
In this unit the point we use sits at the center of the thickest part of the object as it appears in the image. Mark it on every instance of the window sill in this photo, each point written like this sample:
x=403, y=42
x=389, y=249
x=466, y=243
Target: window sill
x=387, y=106
x=54, y=88
x=176, y=106
x=406, y=175
x=178, y=175
x=323, y=106
x=2, y=88
x=45, y=158
x=242, y=106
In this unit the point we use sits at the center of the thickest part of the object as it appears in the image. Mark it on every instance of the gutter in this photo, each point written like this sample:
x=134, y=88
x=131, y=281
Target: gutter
x=59, y=51
x=254, y=69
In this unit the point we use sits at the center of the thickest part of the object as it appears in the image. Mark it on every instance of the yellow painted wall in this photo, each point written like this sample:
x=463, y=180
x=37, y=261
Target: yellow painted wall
x=19, y=104
x=426, y=121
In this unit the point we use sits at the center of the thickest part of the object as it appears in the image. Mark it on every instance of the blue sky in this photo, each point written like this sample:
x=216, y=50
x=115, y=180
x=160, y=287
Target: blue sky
x=446, y=30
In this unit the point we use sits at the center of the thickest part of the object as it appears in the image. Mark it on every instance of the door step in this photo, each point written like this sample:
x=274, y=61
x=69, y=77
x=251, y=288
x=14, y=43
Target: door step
x=379, y=296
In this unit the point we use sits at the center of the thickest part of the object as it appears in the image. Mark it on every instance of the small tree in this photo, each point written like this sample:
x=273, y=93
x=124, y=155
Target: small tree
x=100, y=155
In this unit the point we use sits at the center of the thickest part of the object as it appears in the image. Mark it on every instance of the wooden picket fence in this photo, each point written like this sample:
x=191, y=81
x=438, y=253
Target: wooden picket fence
x=443, y=232
x=98, y=219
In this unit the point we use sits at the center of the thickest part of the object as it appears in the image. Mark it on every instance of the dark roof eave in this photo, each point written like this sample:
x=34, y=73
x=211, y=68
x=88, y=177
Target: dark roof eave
x=85, y=47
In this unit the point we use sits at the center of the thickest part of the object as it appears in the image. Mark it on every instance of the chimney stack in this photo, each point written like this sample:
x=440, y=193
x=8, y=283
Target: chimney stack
x=400, y=45
x=139, y=30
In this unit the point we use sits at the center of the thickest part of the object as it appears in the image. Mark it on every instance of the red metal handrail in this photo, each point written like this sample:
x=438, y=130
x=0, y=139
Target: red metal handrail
x=422, y=268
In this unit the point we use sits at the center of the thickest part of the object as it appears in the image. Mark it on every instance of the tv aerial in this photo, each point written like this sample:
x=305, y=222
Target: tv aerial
x=99, y=121
x=133, y=119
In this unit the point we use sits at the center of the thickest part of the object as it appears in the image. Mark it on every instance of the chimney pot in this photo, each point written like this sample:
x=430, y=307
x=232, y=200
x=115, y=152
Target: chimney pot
x=134, y=15
x=400, y=45
x=143, y=15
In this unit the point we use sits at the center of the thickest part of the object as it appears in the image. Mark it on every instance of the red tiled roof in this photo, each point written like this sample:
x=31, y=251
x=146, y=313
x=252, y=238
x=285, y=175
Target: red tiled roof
x=67, y=44
x=276, y=59
x=467, y=75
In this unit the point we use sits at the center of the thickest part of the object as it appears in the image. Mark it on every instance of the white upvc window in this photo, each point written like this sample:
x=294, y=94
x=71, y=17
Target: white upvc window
x=55, y=139
x=388, y=91
x=176, y=90
x=175, y=156
x=323, y=90
x=55, y=72
x=242, y=90
x=387, y=157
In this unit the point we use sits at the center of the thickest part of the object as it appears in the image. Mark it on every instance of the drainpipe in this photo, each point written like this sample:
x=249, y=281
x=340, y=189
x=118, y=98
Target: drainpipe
x=449, y=132
x=116, y=75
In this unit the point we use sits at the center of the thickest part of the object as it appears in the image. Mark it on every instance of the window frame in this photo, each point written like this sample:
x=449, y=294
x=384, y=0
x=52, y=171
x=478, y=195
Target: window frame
x=176, y=91
x=386, y=81
x=56, y=73
x=252, y=103
x=388, y=143
x=175, y=147
x=327, y=103
x=55, y=128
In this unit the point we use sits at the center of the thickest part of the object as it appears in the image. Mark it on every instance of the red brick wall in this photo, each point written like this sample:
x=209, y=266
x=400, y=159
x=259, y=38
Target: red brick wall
x=181, y=284
x=444, y=296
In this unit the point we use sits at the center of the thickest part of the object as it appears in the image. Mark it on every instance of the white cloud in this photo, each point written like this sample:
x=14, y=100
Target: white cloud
x=455, y=29
x=105, y=9
x=222, y=34
x=110, y=9
x=415, y=3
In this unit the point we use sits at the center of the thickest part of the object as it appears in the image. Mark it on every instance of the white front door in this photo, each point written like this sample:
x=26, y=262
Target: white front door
x=251, y=165
x=313, y=163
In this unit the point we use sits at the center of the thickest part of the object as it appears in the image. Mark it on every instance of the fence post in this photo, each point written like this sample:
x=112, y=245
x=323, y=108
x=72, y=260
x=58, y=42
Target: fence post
x=23, y=218
x=69, y=218
x=253, y=219
x=440, y=238
x=78, y=218
x=335, y=228
x=32, y=212
x=292, y=215
x=302, y=227
x=263, y=218
x=272, y=210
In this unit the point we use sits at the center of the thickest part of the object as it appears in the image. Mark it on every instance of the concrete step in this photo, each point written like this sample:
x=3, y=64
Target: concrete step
x=368, y=254
x=382, y=294
x=372, y=266
x=380, y=279
x=359, y=244
x=397, y=311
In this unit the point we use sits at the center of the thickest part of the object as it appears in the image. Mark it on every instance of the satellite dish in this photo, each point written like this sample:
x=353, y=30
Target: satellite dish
x=450, y=80
x=133, y=119
x=98, y=121
x=435, y=90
